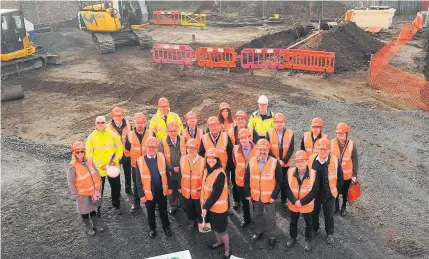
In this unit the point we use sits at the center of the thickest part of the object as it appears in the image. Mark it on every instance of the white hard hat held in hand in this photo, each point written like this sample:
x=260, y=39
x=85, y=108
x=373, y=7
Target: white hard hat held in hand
x=263, y=99
x=112, y=171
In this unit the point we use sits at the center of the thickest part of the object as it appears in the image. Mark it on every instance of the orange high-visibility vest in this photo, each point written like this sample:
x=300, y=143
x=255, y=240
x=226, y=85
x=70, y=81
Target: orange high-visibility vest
x=125, y=131
x=221, y=144
x=231, y=135
x=241, y=164
x=138, y=148
x=346, y=162
x=198, y=136
x=87, y=179
x=192, y=175
x=226, y=126
x=308, y=143
x=332, y=172
x=262, y=184
x=299, y=192
x=275, y=142
x=147, y=179
x=167, y=150
x=221, y=204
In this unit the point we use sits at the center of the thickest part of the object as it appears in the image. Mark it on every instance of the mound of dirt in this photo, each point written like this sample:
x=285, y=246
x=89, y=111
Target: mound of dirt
x=63, y=39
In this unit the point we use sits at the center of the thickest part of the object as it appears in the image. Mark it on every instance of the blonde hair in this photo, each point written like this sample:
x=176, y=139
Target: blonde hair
x=74, y=158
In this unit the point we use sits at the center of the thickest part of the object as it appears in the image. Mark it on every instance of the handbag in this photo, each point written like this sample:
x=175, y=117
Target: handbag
x=354, y=192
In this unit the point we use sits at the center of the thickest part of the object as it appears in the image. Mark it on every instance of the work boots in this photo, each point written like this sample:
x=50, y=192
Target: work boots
x=96, y=224
x=88, y=228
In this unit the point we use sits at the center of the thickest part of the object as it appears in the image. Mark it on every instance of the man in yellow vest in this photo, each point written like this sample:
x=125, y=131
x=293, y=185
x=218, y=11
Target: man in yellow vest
x=301, y=188
x=163, y=116
x=282, y=146
x=330, y=178
x=262, y=182
x=262, y=120
x=310, y=139
x=104, y=148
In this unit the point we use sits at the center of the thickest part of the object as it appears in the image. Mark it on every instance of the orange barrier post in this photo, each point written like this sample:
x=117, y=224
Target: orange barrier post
x=216, y=57
x=166, y=17
x=310, y=60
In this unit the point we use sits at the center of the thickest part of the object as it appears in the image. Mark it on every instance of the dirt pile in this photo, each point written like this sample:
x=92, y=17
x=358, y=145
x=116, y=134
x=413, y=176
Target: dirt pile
x=63, y=39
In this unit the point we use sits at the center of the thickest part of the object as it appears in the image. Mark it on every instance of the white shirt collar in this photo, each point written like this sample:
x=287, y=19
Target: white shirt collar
x=320, y=161
x=150, y=156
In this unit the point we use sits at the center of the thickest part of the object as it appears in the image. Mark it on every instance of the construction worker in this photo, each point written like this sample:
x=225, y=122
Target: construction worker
x=346, y=151
x=173, y=147
x=308, y=143
x=192, y=168
x=242, y=153
x=225, y=117
x=135, y=146
x=163, y=116
x=152, y=185
x=214, y=200
x=192, y=131
x=240, y=118
x=85, y=186
x=262, y=120
x=121, y=126
x=104, y=148
x=330, y=179
x=301, y=188
x=282, y=146
x=262, y=183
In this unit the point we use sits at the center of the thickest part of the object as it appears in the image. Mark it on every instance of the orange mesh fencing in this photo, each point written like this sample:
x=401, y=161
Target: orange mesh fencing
x=411, y=87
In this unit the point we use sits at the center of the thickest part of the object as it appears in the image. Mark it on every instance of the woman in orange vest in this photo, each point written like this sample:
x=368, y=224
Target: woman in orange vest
x=345, y=150
x=192, y=168
x=225, y=117
x=84, y=183
x=301, y=189
x=214, y=200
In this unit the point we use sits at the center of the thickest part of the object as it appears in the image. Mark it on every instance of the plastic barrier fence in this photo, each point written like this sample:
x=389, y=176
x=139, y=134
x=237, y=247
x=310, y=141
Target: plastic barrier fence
x=310, y=60
x=189, y=19
x=166, y=17
x=172, y=54
x=263, y=58
x=216, y=57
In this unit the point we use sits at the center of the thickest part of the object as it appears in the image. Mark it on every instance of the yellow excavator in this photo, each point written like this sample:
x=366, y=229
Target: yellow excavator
x=114, y=23
x=18, y=52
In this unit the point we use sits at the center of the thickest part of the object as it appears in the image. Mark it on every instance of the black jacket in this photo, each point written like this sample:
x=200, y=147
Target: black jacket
x=140, y=185
x=322, y=174
x=289, y=153
x=229, y=150
x=216, y=192
x=309, y=197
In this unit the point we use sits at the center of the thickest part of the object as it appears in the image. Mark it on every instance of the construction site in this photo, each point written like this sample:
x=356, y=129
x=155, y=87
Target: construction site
x=373, y=77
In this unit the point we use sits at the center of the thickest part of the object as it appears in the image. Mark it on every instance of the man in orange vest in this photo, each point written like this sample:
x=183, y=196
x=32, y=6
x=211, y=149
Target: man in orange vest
x=135, y=146
x=173, y=147
x=152, y=185
x=310, y=139
x=282, y=146
x=346, y=151
x=301, y=188
x=192, y=131
x=330, y=178
x=121, y=126
x=242, y=153
x=262, y=182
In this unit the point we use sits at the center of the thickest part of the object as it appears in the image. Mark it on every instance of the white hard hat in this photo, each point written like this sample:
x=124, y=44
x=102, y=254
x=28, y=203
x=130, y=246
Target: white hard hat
x=263, y=99
x=112, y=171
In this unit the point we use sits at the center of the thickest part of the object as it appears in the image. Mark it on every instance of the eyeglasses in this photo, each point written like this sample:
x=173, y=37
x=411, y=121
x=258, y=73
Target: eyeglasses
x=101, y=122
x=80, y=152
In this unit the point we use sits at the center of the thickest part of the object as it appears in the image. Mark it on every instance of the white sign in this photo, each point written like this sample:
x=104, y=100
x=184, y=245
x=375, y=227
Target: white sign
x=178, y=255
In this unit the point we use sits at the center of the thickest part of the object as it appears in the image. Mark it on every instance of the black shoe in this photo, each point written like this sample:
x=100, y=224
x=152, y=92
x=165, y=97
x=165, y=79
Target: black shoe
x=129, y=191
x=272, y=243
x=168, y=232
x=214, y=246
x=152, y=233
x=172, y=211
x=343, y=211
x=291, y=242
x=245, y=223
x=135, y=208
x=307, y=246
x=330, y=239
x=256, y=237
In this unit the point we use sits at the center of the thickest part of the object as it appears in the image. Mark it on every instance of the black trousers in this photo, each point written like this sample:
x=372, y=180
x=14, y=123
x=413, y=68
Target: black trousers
x=92, y=214
x=294, y=216
x=126, y=164
x=115, y=189
x=328, y=211
x=151, y=207
x=344, y=192
x=136, y=195
x=246, y=204
x=235, y=191
x=193, y=209
x=283, y=188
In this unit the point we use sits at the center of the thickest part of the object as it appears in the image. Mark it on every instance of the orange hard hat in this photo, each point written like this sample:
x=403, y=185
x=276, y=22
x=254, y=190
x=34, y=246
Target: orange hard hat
x=317, y=122
x=279, y=117
x=241, y=114
x=163, y=102
x=77, y=146
x=139, y=117
x=243, y=133
x=212, y=152
x=172, y=126
x=191, y=115
x=324, y=143
x=192, y=143
x=263, y=144
x=300, y=155
x=152, y=142
x=117, y=111
x=342, y=127
x=212, y=120
x=223, y=106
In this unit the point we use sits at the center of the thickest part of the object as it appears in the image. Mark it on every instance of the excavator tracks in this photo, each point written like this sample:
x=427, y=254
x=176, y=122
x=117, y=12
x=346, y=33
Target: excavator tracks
x=144, y=38
x=35, y=61
x=107, y=42
x=103, y=42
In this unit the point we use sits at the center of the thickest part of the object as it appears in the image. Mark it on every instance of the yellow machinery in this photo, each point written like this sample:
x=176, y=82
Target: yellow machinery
x=114, y=23
x=18, y=53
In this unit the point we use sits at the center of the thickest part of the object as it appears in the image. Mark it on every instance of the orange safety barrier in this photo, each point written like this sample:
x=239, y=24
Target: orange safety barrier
x=310, y=60
x=172, y=54
x=166, y=17
x=216, y=57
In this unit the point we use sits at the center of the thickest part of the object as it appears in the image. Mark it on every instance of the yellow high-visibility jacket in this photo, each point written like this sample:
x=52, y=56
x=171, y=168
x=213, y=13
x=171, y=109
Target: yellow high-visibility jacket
x=159, y=126
x=101, y=146
x=261, y=126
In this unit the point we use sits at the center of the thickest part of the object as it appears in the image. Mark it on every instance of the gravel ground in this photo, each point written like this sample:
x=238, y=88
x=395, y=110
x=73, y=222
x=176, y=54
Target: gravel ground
x=390, y=220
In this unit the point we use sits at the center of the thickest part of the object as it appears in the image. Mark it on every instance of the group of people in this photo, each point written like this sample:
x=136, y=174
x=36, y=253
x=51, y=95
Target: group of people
x=173, y=167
